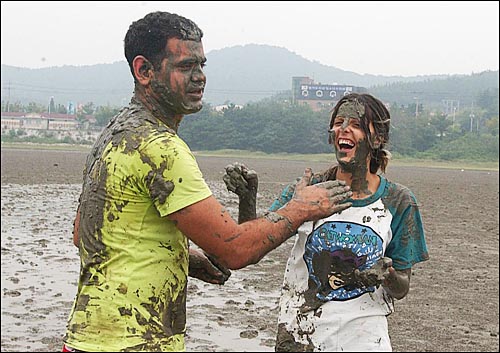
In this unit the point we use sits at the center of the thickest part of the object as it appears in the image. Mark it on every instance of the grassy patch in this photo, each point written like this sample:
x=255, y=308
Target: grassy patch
x=328, y=157
x=45, y=146
x=458, y=164
x=324, y=157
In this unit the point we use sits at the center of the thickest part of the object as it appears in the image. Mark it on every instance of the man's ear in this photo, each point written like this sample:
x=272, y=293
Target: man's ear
x=142, y=70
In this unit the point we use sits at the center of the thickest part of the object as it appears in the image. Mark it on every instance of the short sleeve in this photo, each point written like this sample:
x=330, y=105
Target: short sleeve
x=176, y=180
x=408, y=245
x=283, y=198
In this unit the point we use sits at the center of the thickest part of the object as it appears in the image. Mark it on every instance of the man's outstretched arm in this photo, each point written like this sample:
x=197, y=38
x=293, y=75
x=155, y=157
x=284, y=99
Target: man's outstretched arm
x=208, y=224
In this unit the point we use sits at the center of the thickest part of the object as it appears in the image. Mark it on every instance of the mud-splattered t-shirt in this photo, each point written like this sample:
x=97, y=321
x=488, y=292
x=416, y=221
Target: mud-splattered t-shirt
x=134, y=261
x=322, y=306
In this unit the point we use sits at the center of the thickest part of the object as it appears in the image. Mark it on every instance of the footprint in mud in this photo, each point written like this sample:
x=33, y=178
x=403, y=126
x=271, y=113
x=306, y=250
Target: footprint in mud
x=267, y=342
x=14, y=280
x=12, y=293
x=249, y=334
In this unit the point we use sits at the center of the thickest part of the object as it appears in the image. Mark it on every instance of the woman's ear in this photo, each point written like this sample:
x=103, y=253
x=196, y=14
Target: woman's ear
x=142, y=70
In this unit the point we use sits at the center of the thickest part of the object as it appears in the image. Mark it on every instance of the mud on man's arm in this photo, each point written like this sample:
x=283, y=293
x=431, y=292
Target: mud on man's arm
x=201, y=265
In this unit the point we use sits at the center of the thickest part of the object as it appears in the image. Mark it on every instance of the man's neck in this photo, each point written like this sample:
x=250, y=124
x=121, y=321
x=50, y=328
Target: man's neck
x=157, y=110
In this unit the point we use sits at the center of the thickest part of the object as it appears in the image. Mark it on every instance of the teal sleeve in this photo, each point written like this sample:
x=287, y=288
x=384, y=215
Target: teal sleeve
x=287, y=194
x=408, y=245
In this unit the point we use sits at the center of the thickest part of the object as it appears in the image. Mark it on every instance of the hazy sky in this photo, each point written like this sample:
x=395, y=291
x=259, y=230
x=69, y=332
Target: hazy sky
x=376, y=37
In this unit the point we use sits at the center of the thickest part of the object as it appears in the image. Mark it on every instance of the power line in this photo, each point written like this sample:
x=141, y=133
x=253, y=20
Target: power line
x=61, y=90
x=42, y=89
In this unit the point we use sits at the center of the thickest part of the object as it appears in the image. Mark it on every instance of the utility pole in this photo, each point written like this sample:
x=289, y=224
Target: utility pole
x=448, y=105
x=416, y=107
x=8, y=99
x=51, y=102
x=452, y=106
x=471, y=115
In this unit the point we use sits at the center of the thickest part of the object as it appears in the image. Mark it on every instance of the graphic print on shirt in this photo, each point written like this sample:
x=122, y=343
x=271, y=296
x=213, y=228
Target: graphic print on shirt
x=333, y=252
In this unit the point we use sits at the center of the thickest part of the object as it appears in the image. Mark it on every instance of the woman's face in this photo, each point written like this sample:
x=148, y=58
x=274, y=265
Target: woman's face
x=349, y=136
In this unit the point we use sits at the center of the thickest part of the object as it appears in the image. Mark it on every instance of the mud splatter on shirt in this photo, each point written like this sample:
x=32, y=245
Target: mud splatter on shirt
x=322, y=305
x=134, y=261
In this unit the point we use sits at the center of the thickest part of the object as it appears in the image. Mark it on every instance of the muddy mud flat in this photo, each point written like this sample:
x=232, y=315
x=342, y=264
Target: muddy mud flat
x=453, y=300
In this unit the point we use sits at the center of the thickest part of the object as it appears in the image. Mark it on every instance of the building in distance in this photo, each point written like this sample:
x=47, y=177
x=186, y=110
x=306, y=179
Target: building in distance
x=319, y=96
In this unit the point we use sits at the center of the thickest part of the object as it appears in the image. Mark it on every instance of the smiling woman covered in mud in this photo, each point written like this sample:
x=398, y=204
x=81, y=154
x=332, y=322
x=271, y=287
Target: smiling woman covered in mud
x=144, y=198
x=341, y=278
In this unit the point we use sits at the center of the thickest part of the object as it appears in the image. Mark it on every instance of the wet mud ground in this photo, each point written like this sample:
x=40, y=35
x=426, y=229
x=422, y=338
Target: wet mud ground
x=452, y=305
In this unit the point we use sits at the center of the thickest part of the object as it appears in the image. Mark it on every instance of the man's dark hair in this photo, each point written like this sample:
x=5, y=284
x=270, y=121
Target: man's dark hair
x=377, y=113
x=148, y=36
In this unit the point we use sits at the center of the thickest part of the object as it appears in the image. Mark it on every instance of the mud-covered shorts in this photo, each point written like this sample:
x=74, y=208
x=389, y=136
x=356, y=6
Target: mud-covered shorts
x=65, y=348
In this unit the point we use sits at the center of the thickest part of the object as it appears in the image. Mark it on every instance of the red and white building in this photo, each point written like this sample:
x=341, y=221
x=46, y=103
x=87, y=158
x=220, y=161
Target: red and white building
x=41, y=121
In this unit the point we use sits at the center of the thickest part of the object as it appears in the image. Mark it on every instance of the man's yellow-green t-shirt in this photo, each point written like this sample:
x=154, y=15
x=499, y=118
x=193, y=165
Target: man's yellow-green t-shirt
x=134, y=261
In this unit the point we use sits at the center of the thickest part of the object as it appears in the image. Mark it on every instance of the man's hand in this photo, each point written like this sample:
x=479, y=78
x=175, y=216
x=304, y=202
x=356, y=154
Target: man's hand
x=206, y=268
x=240, y=180
x=320, y=200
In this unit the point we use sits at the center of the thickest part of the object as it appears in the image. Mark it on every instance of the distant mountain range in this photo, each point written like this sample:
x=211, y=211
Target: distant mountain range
x=238, y=74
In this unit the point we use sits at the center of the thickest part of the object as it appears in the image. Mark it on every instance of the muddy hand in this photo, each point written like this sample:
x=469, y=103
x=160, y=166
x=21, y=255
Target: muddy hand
x=226, y=273
x=323, y=199
x=240, y=180
x=375, y=275
x=206, y=268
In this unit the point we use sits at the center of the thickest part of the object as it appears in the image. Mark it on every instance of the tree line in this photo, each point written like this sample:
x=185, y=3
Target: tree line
x=274, y=125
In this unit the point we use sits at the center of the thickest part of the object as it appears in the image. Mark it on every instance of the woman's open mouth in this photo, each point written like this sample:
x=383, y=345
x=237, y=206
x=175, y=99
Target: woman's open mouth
x=345, y=145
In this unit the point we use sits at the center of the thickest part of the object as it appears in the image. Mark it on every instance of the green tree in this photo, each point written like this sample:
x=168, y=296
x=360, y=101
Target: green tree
x=469, y=146
x=52, y=106
x=61, y=109
x=83, y=111
x=274, y=126
x=33, y=107
x=12, y=107
x=104, y=114
x=488, y=100
x=88, y=108
x=492, y=125
x=441, y=123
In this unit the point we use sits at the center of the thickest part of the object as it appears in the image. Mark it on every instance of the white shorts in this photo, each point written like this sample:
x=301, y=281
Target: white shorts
x=367, y=334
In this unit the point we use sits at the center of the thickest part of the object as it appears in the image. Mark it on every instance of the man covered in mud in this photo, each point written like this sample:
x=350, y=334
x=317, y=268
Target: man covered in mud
x=342, y=276
x=144, y=198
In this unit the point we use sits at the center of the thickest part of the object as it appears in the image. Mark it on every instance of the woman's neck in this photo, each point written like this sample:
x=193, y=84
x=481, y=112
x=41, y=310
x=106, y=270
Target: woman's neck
x=363, y=183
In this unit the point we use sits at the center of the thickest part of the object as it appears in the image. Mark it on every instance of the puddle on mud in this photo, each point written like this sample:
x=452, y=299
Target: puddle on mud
x=40, y=271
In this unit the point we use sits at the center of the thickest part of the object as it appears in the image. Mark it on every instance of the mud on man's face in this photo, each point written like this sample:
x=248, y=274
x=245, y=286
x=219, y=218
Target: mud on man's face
x=179, y=85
